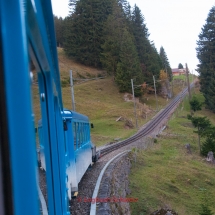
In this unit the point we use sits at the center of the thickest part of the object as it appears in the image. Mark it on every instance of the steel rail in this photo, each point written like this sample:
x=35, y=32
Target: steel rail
x=149, y=128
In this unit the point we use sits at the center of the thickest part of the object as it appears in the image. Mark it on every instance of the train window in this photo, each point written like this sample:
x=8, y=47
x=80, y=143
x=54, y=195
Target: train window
x=81, y=134
x=85, y=132
x=78, y=134
x=88, y=132
x=83, y=141
x=74, y=134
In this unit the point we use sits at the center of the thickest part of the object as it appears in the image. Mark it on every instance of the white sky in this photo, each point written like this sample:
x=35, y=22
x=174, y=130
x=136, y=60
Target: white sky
x=173, y=24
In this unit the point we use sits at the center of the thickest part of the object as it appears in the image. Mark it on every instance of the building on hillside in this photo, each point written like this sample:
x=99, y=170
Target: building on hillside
x=177, y=72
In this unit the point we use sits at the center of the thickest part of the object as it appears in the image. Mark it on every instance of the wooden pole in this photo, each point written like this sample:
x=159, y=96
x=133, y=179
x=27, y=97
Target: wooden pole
x=135, y=112
x=72, y=91
x=188, y=82
x=155, y=93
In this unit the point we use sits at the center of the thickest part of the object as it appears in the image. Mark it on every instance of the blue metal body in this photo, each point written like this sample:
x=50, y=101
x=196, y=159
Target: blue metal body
x=27, y=32
x=78, y=148
x=21, y=139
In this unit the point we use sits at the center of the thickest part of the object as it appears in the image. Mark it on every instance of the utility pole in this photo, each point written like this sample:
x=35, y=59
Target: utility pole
x=72, y=91
x=192, y=76
x=169, y=83
x=135, y=113
x=188, y=82
x=155, y=94
x=172, y=87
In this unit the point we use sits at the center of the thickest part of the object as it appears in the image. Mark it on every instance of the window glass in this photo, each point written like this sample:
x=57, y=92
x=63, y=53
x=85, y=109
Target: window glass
x=78, y=135
x=85, y=132
x=82, y=134
x=74, y=134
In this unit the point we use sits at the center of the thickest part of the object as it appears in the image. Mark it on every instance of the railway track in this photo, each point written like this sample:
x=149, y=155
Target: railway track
x=149, y=128
x=88, y=182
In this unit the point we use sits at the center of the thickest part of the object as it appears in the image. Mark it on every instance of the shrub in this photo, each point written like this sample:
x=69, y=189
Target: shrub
x=208, y=145
x=205, y=210
x=64, y=83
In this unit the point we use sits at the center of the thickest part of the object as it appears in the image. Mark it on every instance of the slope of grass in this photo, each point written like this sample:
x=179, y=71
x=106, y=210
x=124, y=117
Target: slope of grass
x=100, y=101
x=167, y=176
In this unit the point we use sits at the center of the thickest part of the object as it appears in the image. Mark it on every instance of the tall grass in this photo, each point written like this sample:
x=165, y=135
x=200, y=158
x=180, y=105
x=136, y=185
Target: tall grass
x=167, y=176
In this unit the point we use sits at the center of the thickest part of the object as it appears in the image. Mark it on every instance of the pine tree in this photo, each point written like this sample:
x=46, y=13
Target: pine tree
x=206, y=56
x=205, y=210
x=140, y=33
x=207, y=146
x=180, y=66
x=209, y=143
x=59, y=30
x=202, y=124
x=195, y=104
x=72, y=5
x=129, y=66
x=147, y=53
x=165, y=63
x=84, y=37
x=113, y=30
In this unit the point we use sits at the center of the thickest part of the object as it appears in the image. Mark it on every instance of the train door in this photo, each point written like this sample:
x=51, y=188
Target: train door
x=6, y=203
x=51, y=142
x=50, y=179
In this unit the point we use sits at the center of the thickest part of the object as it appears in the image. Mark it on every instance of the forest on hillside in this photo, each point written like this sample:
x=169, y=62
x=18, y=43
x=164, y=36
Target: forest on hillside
x=206, y=55
x=111, y=35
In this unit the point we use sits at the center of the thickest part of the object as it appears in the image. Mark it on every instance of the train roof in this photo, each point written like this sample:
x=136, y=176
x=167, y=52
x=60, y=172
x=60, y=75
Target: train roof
x=74, y=115
x=68, y=114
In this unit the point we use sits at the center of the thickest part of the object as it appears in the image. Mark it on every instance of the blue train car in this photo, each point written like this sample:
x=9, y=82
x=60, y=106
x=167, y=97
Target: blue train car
x=65, y=135
x=80, y=152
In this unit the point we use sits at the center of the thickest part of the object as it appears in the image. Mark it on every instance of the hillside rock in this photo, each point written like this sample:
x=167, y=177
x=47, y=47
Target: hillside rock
x=163, y=211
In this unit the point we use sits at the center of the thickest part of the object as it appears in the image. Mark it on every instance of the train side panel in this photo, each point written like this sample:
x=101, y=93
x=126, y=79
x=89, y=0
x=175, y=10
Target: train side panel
x=78, y=147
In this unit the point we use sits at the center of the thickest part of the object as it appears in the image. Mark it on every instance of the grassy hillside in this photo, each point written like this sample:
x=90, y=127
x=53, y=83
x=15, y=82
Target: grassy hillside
x=167, y=176
x=101, y=101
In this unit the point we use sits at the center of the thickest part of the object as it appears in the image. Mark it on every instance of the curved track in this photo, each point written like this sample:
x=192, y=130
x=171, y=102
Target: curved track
x=88, y=182
x=150, y=126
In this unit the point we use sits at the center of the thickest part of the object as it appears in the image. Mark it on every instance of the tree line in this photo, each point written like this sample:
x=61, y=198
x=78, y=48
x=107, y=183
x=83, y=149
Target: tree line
x=111, y=35
x=205, y=129
x=206, y=55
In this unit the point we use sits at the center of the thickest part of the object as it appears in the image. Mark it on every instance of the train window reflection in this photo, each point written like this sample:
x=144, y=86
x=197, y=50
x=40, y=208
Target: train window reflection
x=74, y=134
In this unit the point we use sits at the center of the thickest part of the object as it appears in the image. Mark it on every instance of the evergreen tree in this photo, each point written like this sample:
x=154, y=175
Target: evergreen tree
x=140, y=33
x=84, y=37
x=122, y=3
x=113, y=30
x=205, y=210
x=207, y=146
x=147, y=53
x=165, y=63
x=209, y=143
x=180, y=66
x=195, y=104
x=127, y=11
x=202, y=124
x=59, y=30
x=129, y=66
x=72, y=5
x=206, y=56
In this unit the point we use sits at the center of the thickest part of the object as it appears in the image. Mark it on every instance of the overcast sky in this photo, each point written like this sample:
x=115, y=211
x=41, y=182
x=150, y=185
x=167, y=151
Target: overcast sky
x=173, y=24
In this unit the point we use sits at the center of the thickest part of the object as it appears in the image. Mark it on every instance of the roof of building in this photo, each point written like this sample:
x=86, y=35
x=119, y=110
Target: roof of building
x=178, y=70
